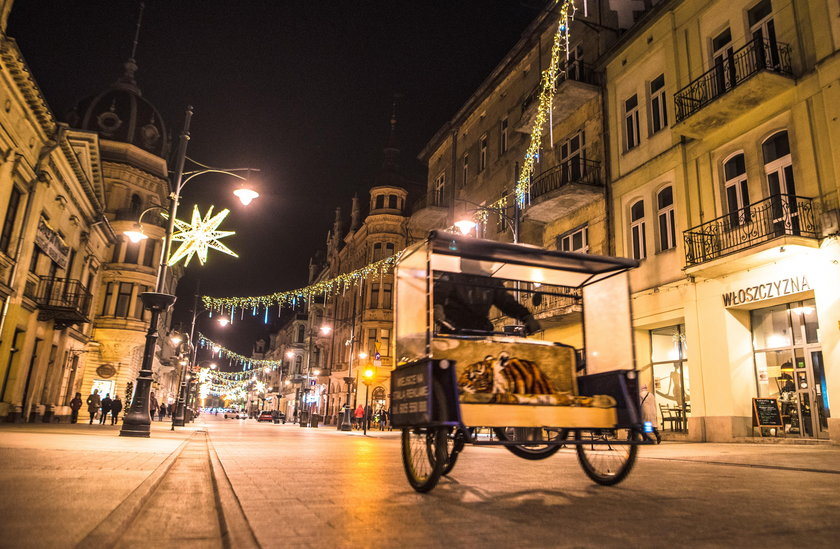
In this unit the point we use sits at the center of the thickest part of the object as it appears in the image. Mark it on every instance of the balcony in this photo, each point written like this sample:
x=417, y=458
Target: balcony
x=564, y=188
x=429, y=212
x=63, y=300
x=737, y=84
x=774, y=221
x=576, y=85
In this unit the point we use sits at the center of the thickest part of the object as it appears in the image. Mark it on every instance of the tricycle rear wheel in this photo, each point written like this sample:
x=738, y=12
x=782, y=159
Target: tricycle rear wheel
x=609, y=462
x=534, y=435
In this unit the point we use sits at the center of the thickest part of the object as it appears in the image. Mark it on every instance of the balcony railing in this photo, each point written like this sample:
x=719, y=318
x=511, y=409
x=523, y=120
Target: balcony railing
x=64, y=300
x=757, y=55
x=579, y=170
x=771, y=218
x=432, y=200
x=577, y=71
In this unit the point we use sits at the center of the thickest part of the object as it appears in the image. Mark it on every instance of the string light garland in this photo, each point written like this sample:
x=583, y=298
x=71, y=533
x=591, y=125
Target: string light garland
x=559, y=47
x=198, y=236
x=332, y=286
x=247, y=362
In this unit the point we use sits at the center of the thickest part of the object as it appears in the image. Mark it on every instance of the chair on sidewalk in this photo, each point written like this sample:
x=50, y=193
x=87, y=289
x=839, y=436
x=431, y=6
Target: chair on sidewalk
x=669, y=416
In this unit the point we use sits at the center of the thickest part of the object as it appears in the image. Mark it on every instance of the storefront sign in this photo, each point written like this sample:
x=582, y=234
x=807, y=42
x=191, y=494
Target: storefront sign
x=52, y=244
x=768, y=290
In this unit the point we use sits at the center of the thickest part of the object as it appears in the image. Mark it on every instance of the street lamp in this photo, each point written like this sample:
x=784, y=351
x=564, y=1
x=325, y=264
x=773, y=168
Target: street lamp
x=367, y=379
x=137, y=422
x=468, y=225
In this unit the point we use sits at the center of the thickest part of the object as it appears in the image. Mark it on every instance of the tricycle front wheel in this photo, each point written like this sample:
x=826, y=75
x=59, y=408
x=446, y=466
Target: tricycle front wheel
x=607, y=458
x=424, y=456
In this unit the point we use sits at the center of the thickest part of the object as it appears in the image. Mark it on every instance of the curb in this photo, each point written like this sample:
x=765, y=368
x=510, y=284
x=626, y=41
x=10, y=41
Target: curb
x=108, y=532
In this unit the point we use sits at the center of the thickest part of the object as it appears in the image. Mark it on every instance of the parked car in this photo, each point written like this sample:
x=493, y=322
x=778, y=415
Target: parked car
x=266, y=415
x=241, y=415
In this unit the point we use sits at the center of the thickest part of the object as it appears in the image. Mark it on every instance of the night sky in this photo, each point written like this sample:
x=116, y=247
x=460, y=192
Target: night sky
x=300, y=89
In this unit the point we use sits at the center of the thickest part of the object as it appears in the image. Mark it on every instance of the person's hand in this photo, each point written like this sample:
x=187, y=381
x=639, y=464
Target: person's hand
x=532, y=325
x=440, y=318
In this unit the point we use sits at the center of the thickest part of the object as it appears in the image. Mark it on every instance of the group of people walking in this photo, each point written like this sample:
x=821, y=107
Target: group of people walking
x=101, y=408
x=379, y=419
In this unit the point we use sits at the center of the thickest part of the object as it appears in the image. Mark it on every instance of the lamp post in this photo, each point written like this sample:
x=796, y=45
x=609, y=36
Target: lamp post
x=367, y=379
x=137, y=422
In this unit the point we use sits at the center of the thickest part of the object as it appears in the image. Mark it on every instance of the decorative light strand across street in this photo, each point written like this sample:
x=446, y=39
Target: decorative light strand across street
x=247, y=362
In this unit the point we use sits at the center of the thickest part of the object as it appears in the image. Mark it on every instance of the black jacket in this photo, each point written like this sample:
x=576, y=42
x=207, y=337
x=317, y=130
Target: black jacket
x=466, y=301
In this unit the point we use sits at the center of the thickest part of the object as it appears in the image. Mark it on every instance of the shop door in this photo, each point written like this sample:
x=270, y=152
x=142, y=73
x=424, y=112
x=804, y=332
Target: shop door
x=790, y=366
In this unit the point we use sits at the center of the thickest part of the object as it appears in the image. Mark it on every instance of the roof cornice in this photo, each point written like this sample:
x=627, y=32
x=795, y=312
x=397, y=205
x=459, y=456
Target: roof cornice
x=28, y=87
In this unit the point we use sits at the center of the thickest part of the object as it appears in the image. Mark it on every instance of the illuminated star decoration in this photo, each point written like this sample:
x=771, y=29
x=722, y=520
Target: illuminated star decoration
x=198, y=236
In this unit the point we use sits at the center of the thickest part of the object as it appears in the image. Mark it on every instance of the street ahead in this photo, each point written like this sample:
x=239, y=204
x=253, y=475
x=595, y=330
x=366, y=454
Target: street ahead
x=322, y=488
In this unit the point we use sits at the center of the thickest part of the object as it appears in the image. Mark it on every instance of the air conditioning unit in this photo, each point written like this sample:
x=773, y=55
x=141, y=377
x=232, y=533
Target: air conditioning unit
x=830, y=223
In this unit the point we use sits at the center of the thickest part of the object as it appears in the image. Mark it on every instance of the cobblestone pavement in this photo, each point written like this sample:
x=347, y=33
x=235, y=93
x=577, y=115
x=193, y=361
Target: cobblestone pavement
x=321, y=488
x=300, y=487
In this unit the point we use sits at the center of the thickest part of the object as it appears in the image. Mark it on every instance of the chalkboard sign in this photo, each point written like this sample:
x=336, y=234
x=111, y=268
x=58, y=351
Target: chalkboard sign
x=411, y=392
x=766, y=413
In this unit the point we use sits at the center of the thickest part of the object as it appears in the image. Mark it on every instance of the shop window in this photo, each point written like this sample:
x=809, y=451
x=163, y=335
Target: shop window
x=575, y=241
x=9, y=220
x=790, y=367
x=123, y=299
x=737, y=191
x=632, y=137
x=669, y=358
x=665, y=215
x=503, y=136
x=658, y=110
x=482, y=153
x=638, y=231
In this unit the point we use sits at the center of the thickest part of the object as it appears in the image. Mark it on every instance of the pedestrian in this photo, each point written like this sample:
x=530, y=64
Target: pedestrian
x=106, y=408
x=162, y=411
x=388, y=419
x=75, y=405
x=153, y=406
x=93, y=401
x=649, y=412
x=169, y=410
x=359, y=416
x=382, y=419
x=116, y=408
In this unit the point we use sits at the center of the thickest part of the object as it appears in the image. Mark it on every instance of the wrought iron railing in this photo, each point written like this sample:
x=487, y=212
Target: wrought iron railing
x=757, y=55
x=776, y=216
x=432, y=200
x=577, y=71
x=578, y=170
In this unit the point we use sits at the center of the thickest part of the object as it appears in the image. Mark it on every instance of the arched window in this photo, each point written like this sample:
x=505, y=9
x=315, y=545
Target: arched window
x=737, y=191
x=301, y=333
x=377, y=397
x=637, y=230
x=665, y=216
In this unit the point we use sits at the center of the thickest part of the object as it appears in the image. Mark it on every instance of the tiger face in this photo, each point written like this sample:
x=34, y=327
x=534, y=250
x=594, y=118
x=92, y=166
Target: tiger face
x=477, y=377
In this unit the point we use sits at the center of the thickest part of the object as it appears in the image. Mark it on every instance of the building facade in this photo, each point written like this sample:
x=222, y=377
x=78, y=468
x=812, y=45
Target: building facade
x=723, y=132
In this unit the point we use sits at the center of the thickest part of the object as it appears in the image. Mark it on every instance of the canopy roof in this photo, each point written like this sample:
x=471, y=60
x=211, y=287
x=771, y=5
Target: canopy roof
x=463, y=254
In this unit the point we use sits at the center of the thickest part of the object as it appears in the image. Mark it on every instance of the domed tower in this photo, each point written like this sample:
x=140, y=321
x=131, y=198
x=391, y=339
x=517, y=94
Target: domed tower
x=388, y=193
x=133, y=146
